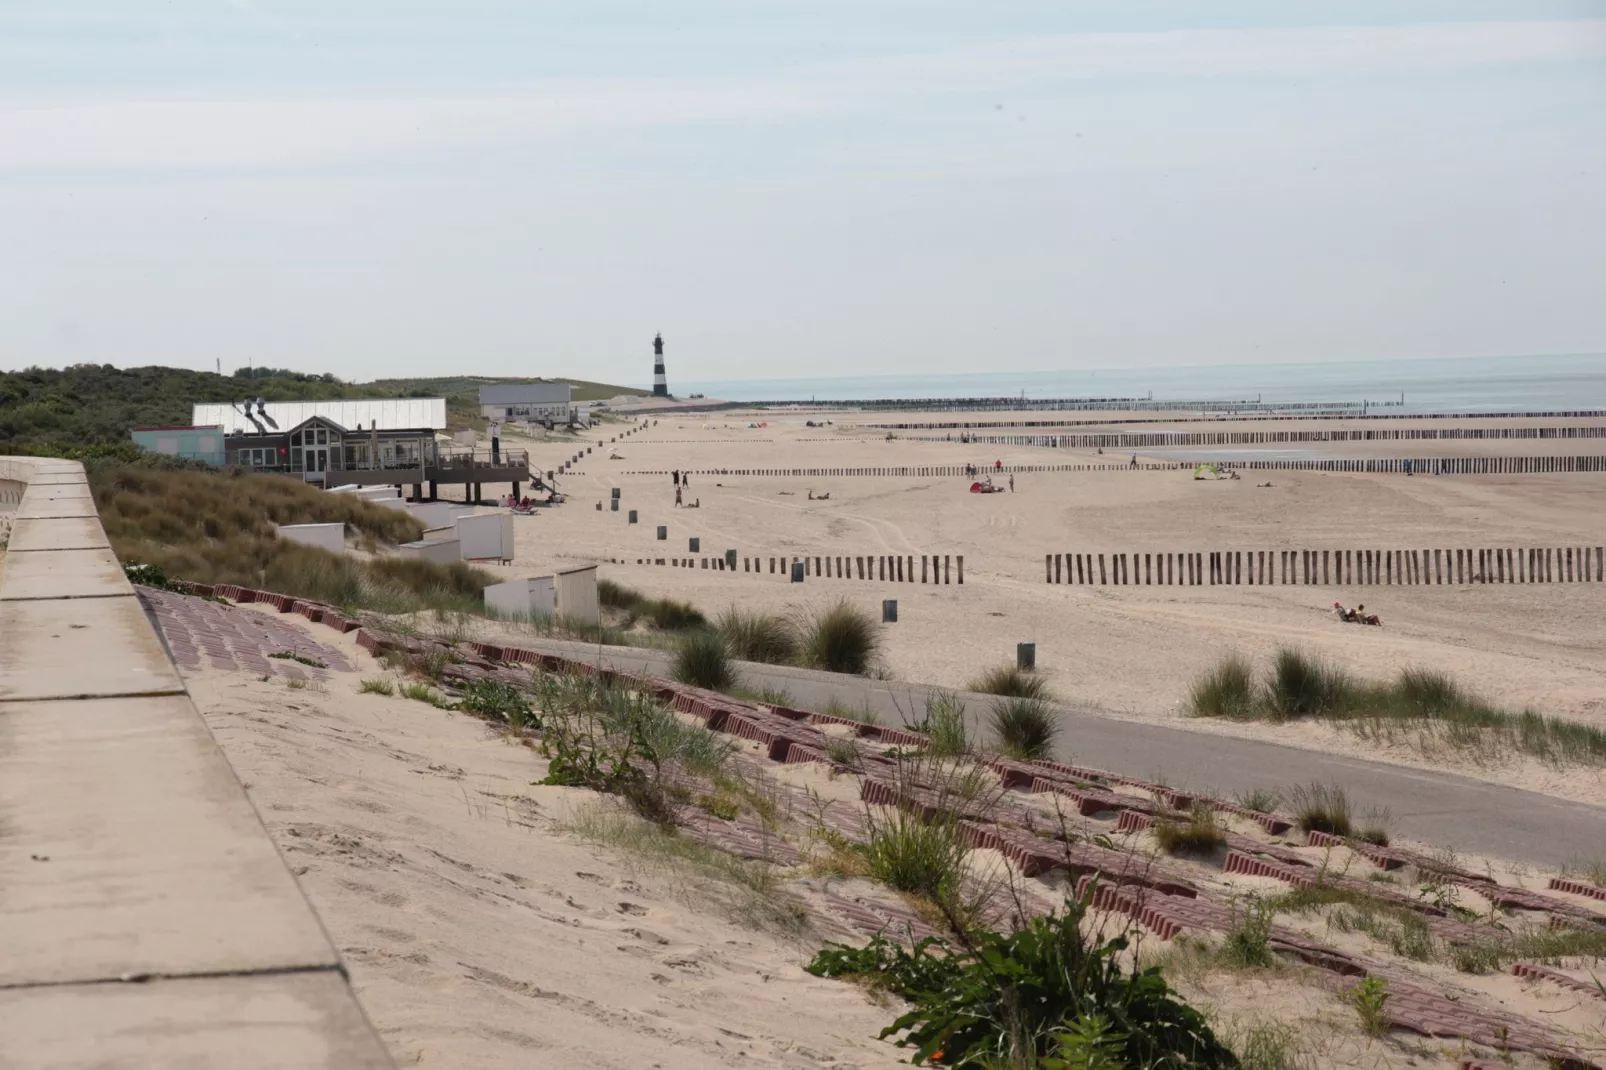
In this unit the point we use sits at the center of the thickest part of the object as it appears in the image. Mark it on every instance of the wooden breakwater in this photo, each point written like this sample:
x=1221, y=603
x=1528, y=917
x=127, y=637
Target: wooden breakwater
x=1127, y=440
x=1248, y=417
x=930, y=569
x=1328, y=568
x=1436, y=466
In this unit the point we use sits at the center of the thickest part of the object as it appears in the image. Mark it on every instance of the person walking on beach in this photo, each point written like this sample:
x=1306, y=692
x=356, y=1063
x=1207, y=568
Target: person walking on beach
x=675, y=477
x=677, y=497
x=1134, y=463
x=1012, y=483
x=496, y=443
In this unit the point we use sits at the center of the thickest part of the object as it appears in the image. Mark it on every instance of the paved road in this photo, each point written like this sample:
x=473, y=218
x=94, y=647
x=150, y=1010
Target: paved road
x=1442, y=809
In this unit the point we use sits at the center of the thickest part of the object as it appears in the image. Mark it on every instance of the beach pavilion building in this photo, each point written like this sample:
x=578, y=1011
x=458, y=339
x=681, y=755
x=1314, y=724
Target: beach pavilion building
x=397, y=442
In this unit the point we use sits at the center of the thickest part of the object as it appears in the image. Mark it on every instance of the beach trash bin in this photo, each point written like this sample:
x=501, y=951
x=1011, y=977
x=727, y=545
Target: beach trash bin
x=730, y=559
x=615, y=493
x=1026, y=656
x=798, y=571
x=889, y=611
x=632, y=516
x=695, y=545
x=663, y=532
x=613, y=503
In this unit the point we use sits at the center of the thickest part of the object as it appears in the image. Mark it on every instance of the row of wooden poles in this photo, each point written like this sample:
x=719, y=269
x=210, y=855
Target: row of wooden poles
x=887, y=568
x=1142, y=439
x=1538, y=564
x=1384, y=413
x=1441, y=466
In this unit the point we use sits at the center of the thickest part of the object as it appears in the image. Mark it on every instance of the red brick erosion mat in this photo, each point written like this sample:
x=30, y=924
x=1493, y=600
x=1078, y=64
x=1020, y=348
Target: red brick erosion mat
x=1038, y=841
x=228, y=639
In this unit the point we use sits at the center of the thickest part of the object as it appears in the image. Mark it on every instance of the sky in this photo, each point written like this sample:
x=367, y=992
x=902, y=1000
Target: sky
x=798, y=188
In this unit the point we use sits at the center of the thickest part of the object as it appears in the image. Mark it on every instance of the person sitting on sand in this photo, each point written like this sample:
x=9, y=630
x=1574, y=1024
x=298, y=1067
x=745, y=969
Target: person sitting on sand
x=1363, y=617
x=1339, y=611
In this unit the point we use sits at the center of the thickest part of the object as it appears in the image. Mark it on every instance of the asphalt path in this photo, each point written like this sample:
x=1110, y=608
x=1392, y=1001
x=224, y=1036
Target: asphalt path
x=1441, y=809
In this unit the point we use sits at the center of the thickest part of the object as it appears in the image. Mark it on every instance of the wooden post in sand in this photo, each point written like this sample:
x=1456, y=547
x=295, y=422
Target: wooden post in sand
x=923, y=568
x=961, y=559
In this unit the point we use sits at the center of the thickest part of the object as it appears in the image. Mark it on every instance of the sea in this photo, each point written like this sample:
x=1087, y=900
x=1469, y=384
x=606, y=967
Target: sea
x=1476, y=384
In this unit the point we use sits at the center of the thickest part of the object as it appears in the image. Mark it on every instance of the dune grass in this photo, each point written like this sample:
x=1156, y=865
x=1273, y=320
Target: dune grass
x=701, y=660
x=763, y=637
x=1321, y=808
x=1422, y=707
x=841, y=638
x=1227, y=691
x=220, y=527
x=1024, y=728
x=1010, y=681
x=665, y=614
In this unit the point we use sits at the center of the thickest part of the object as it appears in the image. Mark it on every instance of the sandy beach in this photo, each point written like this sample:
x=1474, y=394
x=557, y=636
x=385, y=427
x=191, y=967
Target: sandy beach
x=1132, y=651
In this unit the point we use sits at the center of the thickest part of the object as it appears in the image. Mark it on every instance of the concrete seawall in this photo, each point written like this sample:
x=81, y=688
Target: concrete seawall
x=146, y=917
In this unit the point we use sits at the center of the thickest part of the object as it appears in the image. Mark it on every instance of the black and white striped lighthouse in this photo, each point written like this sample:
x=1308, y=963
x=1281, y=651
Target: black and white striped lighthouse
x=660, y=385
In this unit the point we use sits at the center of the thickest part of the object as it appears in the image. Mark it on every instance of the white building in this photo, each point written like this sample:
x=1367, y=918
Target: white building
x=540, y=402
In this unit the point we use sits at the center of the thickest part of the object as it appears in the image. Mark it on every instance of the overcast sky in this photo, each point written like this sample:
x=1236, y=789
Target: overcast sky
x=790, y=188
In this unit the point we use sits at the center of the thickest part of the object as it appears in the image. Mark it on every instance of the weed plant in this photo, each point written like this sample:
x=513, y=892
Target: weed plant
x=1011, y=999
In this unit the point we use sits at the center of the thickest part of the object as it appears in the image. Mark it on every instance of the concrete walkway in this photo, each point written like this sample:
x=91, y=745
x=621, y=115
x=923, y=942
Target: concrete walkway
x=1440, y=809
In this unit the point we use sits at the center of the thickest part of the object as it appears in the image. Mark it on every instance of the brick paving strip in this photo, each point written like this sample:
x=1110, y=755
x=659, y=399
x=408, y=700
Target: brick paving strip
x=1144, y=890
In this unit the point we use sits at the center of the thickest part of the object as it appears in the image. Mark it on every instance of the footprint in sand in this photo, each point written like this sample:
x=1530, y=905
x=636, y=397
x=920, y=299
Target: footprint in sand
x=632, y=908
x=647, y=936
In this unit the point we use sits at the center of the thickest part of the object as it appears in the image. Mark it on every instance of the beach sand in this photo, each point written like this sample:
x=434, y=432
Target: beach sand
x=481, y=931
x=1130, y=651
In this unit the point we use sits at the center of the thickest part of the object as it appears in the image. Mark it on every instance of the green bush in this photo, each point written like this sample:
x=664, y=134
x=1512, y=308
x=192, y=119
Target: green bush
x=1025, y=728
x=1010, y=681
x=754, y=636
x=1012, y=997
x=497, y=701
x=1228, y=691
x=841, y=638
x=702, y=661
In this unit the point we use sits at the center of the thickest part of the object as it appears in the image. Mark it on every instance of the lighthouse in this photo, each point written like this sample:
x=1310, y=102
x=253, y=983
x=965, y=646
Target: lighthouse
x=660, y=385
